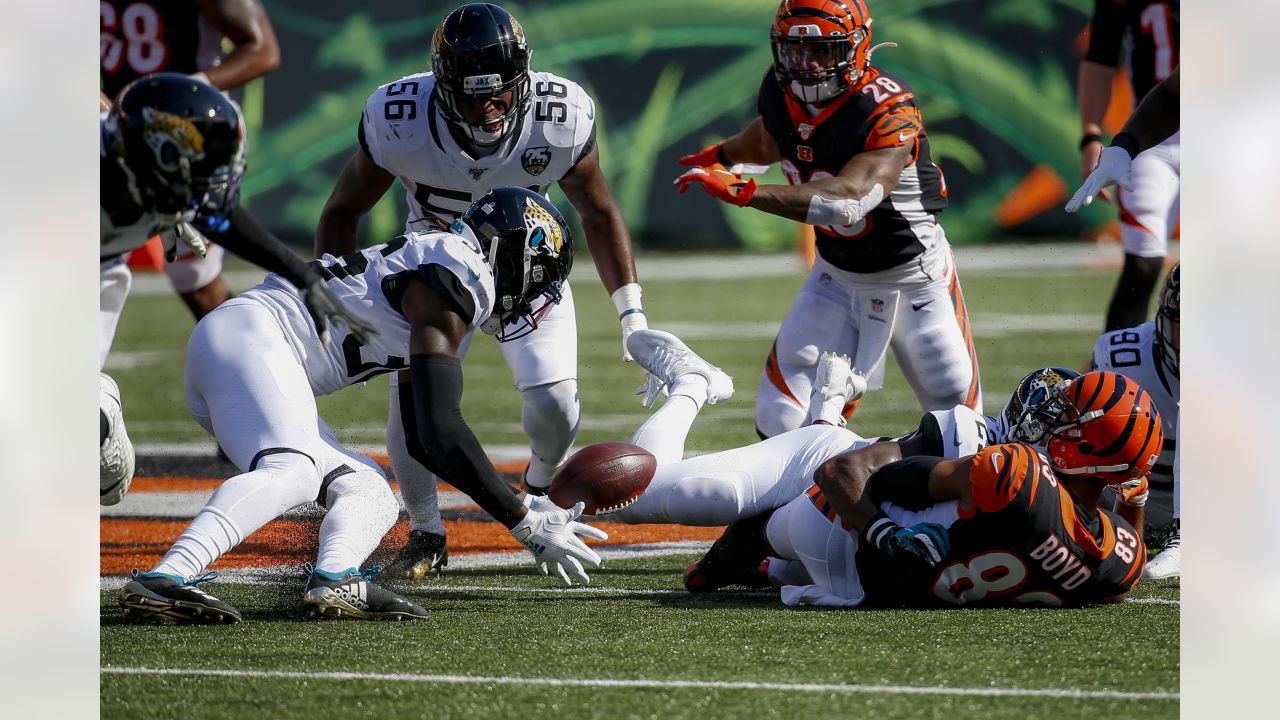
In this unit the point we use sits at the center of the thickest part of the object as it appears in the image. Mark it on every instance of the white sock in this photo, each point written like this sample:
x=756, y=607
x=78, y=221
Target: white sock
x=421, y=500
x=692, y=386
x=238, y=508
x=665, y=431
x=362, y=509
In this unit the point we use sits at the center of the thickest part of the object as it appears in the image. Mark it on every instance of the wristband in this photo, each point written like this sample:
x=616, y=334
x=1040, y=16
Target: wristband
x=1088, y=138
x=626, y=300
x=1126, y=142
x=721, y=157
x=879, y=530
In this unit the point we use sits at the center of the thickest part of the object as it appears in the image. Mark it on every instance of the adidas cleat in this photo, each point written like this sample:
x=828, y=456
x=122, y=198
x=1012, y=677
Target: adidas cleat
x=351, y=595
x=665, y=358
x=426, y=552
x=115, y=454
x=150, y=595
x=1168, y=564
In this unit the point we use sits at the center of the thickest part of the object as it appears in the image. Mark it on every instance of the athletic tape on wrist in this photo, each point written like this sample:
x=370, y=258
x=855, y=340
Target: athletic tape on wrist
x=825, y=211
x=626, y=300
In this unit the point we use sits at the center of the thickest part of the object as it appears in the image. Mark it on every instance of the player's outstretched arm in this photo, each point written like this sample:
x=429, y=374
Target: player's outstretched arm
x=360, y=186
x=841, y=200
x=246, y=24
x=553, y=536
x=241, y=233
x=608, y=240
x=754, y=145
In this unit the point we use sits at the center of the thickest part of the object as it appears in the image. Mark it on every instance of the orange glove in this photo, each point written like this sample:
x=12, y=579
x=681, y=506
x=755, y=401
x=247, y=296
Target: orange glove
x=1134, y=492
x=706, y=157
x=719, y=183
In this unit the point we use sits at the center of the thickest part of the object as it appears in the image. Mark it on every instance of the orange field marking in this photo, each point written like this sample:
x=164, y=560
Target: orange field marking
x=128, y=543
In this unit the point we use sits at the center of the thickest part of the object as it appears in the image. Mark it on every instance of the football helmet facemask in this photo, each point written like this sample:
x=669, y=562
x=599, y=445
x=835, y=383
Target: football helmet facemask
x=180, y=143
x=527, y=245
x=479, y=52
x=1168, y=324
x=1108, y=428
x=821, y=48
x=1033, y=405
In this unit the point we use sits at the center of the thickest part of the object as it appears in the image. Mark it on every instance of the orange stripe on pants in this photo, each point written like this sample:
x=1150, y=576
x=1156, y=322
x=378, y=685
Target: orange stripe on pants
x=973, y=396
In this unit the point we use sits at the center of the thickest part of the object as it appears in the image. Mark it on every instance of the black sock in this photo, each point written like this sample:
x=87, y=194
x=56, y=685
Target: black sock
x=1131, y=302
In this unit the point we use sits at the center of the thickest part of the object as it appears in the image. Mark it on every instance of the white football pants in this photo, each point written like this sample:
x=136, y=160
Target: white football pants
x=719, y=488
x=244, y=384
x=114, y=280
x=1149, y=213
x=544, y=366
x=917, y=309
x=800, y=532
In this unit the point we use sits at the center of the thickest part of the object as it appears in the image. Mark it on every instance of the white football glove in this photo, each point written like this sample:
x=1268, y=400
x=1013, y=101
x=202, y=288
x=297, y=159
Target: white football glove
x=188, y=235
x=552, y=537
x=1113, y=169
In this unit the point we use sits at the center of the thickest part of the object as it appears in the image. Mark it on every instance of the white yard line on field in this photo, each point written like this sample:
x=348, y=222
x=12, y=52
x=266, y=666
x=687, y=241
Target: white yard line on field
x=657, y=684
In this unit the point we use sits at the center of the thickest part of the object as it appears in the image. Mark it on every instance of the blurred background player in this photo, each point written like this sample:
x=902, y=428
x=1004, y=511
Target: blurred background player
x=256, y=365
x=171, y=156
x=481, y=118
x=1003, y=527
x=1149, y=209
x=853, y=146
x=1149, y=353
x=141, y=37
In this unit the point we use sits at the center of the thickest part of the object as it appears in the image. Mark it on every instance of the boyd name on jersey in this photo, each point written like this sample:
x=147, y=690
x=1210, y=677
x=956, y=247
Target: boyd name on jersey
x=405, y=134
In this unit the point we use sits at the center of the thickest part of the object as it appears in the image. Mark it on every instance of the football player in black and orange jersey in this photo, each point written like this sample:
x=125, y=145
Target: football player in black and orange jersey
x=854, y=149
x=1149, y=205
x=1005, y=526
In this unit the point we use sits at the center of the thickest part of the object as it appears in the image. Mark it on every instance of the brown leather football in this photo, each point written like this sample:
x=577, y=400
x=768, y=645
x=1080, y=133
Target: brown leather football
x=607, y=476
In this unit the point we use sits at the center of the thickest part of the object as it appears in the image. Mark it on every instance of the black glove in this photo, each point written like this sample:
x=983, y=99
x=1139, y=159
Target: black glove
x=323, y=306
x=928, y=541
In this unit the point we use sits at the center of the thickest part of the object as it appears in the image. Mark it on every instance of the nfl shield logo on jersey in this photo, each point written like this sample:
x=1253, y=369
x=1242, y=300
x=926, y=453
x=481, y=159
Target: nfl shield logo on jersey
x=535, y=160
x=877, y=305
x=476, y=172
x=805, y=130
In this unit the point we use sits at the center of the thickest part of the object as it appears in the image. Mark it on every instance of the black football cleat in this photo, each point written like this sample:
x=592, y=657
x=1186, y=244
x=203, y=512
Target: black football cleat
x=351, y=595
x=425, y=552
x=150, y=595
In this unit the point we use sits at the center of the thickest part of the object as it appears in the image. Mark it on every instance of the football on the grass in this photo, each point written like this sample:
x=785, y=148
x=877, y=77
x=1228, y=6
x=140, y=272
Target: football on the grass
x=607, y=476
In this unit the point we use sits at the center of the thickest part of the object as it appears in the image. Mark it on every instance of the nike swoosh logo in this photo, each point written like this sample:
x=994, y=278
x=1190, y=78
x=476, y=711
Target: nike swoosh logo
x=903, y=137
x=918, y=306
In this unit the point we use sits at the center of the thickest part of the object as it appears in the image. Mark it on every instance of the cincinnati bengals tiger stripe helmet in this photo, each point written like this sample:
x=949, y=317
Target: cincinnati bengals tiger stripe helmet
x=1108, y=429
x=821, y=48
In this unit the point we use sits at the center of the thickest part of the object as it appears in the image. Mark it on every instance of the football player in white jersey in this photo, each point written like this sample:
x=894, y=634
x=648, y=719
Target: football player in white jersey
x=481, y=119
x=256, y=363
x=171, y=156
x=1149, y=353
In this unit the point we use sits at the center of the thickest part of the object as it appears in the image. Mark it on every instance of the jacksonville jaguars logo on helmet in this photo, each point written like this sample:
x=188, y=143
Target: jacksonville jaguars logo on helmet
x=543, y=229
x=171, y=138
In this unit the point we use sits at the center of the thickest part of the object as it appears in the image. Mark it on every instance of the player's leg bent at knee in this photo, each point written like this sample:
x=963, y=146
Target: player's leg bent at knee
x=800, y=531
x=550, y=417
x=818, y=321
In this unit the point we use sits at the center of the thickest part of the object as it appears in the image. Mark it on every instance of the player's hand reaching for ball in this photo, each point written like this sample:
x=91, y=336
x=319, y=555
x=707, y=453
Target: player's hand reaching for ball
x=552, y=536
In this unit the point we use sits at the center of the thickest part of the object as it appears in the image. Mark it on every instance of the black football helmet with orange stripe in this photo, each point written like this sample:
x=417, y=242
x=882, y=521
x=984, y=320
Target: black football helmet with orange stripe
x=479, y=52
x=821, y=48
x=1108, y=428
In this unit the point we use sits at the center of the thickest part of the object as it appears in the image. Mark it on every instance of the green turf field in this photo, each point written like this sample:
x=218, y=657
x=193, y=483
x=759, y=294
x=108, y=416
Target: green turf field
x=506, y=642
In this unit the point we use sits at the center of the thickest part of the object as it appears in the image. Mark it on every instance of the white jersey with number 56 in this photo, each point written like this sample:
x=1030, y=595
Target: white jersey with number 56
x=405, y=134
x=370, y=284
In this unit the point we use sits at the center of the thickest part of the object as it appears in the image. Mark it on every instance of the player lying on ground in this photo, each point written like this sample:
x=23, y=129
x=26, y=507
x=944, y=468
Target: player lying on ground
x=172, y=153
x=724, y=487
x=256, y=364
x=1004, y=526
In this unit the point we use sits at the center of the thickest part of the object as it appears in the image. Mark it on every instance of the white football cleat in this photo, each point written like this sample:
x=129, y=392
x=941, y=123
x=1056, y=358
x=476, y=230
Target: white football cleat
x=665, y=358
x=1168, y=563
x=116, y=452
x=835, y=385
